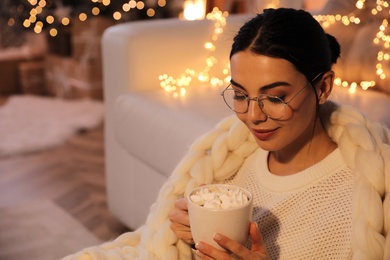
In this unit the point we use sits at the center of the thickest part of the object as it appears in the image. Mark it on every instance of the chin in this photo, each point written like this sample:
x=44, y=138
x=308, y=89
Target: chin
x=267, y=145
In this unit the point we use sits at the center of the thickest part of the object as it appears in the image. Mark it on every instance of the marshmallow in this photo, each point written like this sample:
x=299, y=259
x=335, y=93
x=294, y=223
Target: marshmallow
x=219, y=197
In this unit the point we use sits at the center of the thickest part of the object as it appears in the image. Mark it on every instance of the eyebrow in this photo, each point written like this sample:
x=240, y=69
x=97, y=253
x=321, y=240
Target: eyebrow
x=265, y=87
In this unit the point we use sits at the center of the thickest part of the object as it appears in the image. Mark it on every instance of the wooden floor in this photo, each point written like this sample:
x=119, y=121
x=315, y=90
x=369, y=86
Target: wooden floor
x=71, y=175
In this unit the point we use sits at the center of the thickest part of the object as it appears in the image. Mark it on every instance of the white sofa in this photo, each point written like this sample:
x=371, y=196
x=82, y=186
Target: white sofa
x=147, y=130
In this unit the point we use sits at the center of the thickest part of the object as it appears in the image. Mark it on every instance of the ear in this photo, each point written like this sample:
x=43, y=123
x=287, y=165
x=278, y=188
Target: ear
x=325, y=87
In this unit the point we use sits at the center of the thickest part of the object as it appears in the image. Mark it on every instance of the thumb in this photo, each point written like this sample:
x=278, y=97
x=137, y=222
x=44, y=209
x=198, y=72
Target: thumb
x=257, y=240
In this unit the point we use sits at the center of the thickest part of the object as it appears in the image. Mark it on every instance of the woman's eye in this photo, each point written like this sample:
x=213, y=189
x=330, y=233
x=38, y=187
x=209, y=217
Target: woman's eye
x=239, y=96
x=275, y=99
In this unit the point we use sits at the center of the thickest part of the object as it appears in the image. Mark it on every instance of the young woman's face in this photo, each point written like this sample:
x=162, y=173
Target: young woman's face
x=254, y=74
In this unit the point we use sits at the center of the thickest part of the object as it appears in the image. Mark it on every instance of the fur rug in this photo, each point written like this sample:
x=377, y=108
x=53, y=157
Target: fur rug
x=31, y=123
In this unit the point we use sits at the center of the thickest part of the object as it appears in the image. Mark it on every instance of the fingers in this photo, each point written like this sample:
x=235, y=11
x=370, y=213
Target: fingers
x=180, y=223
x=232, y=246
x=182, y=232
x=202, y=256
x=258, y=250
x=205, y=251
x=182, y=204
x=180, y=213
x=257, y=240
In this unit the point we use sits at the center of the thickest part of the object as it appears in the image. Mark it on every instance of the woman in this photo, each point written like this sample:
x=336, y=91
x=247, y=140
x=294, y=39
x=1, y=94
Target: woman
x=319, y=173
x=281, y=70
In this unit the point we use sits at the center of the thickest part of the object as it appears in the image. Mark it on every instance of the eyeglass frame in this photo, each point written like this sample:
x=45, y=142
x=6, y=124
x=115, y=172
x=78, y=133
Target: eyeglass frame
x=258, y=100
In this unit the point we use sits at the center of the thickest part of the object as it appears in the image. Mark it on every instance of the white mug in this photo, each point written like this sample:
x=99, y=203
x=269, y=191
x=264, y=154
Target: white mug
x=231, y=222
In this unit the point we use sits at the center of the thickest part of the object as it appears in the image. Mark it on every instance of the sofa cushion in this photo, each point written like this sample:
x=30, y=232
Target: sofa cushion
x=158, y=129
x=370, y=102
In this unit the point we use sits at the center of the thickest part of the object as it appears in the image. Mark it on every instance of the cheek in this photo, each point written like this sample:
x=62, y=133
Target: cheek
x=304, y=106
x=304, y=117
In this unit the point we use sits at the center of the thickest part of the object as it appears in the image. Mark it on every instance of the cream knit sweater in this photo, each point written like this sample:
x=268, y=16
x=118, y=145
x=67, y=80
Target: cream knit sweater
x=306, y=215
x=218, y=155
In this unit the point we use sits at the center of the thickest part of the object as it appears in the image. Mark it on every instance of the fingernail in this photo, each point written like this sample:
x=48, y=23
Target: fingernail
x=217, y=236
x=199, y=246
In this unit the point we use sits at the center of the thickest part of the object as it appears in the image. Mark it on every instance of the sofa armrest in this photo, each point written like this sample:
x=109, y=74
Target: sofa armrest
x=135, y=54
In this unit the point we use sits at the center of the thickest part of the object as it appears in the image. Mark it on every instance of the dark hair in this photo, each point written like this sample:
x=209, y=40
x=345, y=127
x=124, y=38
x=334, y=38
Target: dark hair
x=290, y=34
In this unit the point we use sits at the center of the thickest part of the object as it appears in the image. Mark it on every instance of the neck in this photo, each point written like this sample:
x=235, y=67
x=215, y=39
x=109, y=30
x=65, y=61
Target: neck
x=296, y=158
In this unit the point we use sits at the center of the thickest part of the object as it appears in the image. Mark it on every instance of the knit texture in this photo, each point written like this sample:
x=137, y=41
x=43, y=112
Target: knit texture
x=307, y=215
x=219, y=154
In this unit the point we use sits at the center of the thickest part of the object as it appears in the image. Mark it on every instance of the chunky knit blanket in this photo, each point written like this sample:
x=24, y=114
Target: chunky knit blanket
x=217, y=156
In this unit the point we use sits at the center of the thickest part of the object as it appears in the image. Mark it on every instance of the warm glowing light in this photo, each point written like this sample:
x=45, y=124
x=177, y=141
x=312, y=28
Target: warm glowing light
x=367, y=84
x=32, y=19
x=381, y=38
x=33, y=12
x=117, y=16
x=133, y=4
x=53, y=32
x=150, y=12
x=42, y=3
x=26, y=23
x=38, y=9
x=65, y=21
x=50, y=19
x=83, y=17
x=209, y=46
x=11, y=22
x=178, y=86
x=183, y=91
x=383, y=55
x=95, y=11
x=126, y=7
x=140, y=5
x=194, y=9
x=37, y=29
x=360, y=4
x=161, y=3
x=39, y=24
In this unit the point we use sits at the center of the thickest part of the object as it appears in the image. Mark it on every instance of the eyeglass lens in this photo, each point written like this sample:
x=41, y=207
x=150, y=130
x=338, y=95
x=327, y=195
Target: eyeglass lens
x=272, y=106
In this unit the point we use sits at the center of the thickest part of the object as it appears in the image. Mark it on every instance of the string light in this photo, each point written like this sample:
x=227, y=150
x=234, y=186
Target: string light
x=381, y=37
x=39, y=5
x=383, y=54
x=178, y=86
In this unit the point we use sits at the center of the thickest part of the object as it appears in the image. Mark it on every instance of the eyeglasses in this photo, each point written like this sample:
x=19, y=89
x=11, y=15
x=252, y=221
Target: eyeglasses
x=272, y=106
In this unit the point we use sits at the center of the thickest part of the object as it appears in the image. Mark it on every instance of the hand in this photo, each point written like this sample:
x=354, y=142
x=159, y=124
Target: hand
x=258, y=250
x=180, y=222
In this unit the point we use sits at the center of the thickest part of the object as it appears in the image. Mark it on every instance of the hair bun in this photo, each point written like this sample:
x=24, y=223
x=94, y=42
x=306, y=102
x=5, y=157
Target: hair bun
x=334, y=47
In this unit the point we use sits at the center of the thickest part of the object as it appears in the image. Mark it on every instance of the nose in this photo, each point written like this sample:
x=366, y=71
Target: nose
x=255, y=113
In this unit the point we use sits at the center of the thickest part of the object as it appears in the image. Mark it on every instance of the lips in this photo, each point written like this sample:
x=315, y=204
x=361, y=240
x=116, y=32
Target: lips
x=264, y=134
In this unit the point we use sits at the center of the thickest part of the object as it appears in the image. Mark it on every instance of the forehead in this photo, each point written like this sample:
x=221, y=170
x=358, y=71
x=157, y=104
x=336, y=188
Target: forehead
x=253, y=70
x=250, y=63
